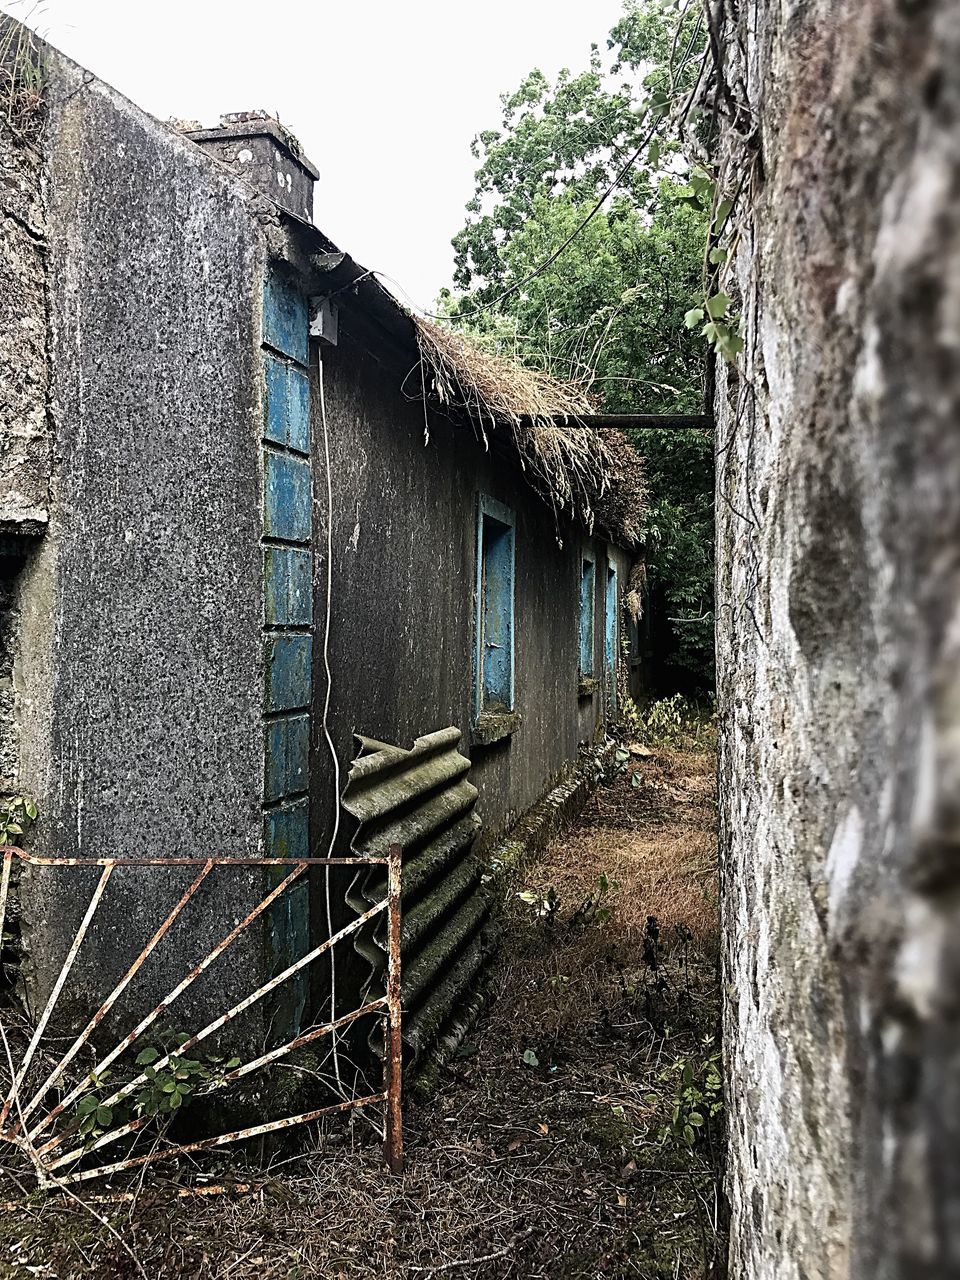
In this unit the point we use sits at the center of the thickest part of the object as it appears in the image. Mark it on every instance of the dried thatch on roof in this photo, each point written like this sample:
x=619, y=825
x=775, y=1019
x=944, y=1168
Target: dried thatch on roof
x=595, y=476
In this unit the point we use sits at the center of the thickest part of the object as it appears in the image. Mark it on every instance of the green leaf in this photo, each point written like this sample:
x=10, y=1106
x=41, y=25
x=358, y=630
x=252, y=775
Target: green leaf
x=721, y=215
x=717, y=305
x=695, y=1118
x=693, y=317
x=87, y=1125
x=530, y=1058
x=146, y=1056
x=653, y=155
x=175, y=1100
x=234, y=1062
x=86, y=1105
x=718, y=255
x=689, y=1136
x=104, y=1116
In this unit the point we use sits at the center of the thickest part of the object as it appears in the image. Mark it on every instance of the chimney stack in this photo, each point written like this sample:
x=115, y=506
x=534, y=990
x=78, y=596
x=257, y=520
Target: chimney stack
x=258, y=147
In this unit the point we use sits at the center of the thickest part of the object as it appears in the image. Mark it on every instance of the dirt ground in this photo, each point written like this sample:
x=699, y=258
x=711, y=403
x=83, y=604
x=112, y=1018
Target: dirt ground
x=578, y=1134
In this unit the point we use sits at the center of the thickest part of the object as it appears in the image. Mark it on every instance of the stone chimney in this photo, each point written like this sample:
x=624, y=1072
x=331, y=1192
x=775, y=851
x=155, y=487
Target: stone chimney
x=258, y=146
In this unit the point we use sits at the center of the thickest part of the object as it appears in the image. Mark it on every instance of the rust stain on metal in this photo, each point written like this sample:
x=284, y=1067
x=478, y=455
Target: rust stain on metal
x=393, y=1029
x=54, y=996
x=168, y=1000
x=388, y=1007
x=207, y=1144
x=112, y=998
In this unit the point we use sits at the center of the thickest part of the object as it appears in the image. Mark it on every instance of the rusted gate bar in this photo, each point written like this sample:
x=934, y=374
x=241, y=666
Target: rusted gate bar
x=393, y=1029
x=389, y=1007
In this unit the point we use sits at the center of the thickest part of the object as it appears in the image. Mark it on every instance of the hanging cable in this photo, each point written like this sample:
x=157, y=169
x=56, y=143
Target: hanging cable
x=326, y=714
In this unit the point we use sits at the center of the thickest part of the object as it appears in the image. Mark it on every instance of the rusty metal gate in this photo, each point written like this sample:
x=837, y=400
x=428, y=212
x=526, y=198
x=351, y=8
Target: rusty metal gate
x=50, y=1137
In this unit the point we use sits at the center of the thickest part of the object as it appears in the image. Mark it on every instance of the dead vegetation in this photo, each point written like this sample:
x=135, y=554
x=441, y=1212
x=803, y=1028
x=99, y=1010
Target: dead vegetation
x=592, y=475
x=551, y=1149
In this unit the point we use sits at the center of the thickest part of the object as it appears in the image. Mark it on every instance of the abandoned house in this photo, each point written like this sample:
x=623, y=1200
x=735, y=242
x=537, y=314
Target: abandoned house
x=258, y=520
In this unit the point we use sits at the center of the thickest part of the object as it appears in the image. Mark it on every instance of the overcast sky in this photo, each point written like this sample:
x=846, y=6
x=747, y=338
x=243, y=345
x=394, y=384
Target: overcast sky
x=384, y=96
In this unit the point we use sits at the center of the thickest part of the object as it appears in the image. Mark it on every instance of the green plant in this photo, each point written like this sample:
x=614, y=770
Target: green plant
x=698, y=1097
x=667, y=722
x=613, y=312
x=544, y=905
x=16, y=815
x=164, y=1091
x=595, y=908
x=21, y=70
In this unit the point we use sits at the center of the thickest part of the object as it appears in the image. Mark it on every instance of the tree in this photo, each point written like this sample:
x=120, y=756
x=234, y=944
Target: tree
x=610, y=310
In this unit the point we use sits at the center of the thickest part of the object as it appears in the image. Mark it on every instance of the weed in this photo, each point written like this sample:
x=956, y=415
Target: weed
x=669, y=722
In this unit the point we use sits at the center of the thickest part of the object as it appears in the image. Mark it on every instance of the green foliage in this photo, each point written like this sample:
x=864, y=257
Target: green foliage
x=16, y=815
x=166, y=1087
x=668, y=722
x=698, y=1097
x=613, y=311
x=594, y=909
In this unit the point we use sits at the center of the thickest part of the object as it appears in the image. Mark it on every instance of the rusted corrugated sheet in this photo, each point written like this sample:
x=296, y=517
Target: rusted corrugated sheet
x=423, y=800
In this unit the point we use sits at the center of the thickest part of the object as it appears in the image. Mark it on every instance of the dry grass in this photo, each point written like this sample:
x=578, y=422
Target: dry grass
x=555, y=1167
x=590, y=474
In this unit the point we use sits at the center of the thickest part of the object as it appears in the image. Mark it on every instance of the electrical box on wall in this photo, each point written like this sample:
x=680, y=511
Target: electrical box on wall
x=324, y=320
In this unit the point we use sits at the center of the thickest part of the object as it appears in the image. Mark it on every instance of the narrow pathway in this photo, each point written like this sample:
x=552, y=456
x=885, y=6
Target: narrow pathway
x=555, y=1147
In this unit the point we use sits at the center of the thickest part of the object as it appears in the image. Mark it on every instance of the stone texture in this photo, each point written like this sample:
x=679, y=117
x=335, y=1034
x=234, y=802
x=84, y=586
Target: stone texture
x=838, y=499
x=24, y=439
x=142, y=606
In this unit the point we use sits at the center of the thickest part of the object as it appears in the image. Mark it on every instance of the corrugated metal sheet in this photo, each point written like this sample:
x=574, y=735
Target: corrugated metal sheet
x=423, y=800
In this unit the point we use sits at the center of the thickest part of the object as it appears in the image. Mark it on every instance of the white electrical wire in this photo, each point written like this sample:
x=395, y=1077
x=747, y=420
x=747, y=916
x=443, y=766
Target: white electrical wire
x=326, y=712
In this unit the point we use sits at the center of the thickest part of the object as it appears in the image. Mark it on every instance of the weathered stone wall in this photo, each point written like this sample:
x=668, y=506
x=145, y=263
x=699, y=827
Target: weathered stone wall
x=24, y=439
x=141, y=608
x=838, y=499
x=404, y=539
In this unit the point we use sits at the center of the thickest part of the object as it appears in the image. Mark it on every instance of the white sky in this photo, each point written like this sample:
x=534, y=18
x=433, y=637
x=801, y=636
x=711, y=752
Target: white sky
x=384, y=96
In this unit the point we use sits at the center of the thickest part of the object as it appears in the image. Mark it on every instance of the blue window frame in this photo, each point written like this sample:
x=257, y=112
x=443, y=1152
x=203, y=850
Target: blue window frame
x=610, y=636
x=494, y=607
x=588, y=609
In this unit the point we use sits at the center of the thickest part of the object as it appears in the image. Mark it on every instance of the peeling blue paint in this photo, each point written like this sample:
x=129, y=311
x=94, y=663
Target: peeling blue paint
x=287, y=761
x=287, y=613
x=286, y=834
x=285, y=321
x=286, y=497
x=288, y=586
x=287, y=407
x=287, y=665
x=494, y=607
x=588, y=608
x=610, y=637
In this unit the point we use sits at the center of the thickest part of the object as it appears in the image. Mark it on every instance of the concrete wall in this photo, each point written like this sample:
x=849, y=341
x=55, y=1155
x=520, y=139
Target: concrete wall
x=143, y=696
x=142, y=605
x=838, y=504
x=404, y=546
x=24, y=439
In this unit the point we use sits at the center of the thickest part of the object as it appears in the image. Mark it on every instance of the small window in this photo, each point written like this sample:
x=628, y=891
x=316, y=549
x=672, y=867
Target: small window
x=588, y=579
x=494, y=608
x=610, y=637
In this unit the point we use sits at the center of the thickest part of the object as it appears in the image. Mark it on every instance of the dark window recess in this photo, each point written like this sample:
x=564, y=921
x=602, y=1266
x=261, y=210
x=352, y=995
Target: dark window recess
x=494, y=673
